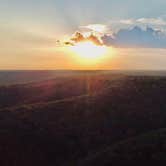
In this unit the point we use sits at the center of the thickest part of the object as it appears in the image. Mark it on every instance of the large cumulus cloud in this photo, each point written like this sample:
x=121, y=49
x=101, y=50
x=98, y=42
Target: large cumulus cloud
x=125, y=37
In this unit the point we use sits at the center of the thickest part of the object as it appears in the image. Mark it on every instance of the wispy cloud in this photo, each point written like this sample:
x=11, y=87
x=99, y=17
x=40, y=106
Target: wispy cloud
x=151, y=21
x=99, y=28
x=144, y=21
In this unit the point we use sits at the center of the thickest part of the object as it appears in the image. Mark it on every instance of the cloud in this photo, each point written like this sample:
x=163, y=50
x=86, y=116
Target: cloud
x=151, y=21
x=125, y=37
x=99, y=28
x=136, y=37
x=140, y=32
x=80, y=37
x=127, y=21
x=144, y=21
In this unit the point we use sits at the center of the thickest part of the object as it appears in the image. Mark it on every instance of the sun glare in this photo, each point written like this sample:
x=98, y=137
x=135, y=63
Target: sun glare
x=88, y=51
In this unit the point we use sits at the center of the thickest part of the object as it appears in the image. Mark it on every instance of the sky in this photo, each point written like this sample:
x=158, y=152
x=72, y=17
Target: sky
x=133, y=31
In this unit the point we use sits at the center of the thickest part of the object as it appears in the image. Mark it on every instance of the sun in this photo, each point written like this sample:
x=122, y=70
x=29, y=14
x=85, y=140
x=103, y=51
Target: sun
x=88, y=51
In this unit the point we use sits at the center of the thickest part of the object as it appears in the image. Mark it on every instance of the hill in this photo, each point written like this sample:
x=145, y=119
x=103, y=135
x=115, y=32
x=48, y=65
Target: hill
x=97, y=113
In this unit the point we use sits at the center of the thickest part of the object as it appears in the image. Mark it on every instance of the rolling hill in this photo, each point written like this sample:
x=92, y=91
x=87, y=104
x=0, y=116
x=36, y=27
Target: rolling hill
x=82, y=120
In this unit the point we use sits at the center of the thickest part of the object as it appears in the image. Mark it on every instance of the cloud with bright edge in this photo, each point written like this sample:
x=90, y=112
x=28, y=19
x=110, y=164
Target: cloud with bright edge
x=134, y=35
x=79, y=37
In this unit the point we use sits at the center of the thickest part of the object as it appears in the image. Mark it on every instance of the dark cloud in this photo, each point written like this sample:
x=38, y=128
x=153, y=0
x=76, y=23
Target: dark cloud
x=136, y=37
x=79, y=37
x=69, y=43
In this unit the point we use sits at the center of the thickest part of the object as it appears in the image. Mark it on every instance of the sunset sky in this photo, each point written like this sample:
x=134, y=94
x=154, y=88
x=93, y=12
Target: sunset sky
x=38, y=34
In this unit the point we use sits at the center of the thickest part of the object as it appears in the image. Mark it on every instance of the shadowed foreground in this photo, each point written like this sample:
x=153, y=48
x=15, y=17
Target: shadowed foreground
x=84, y=119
